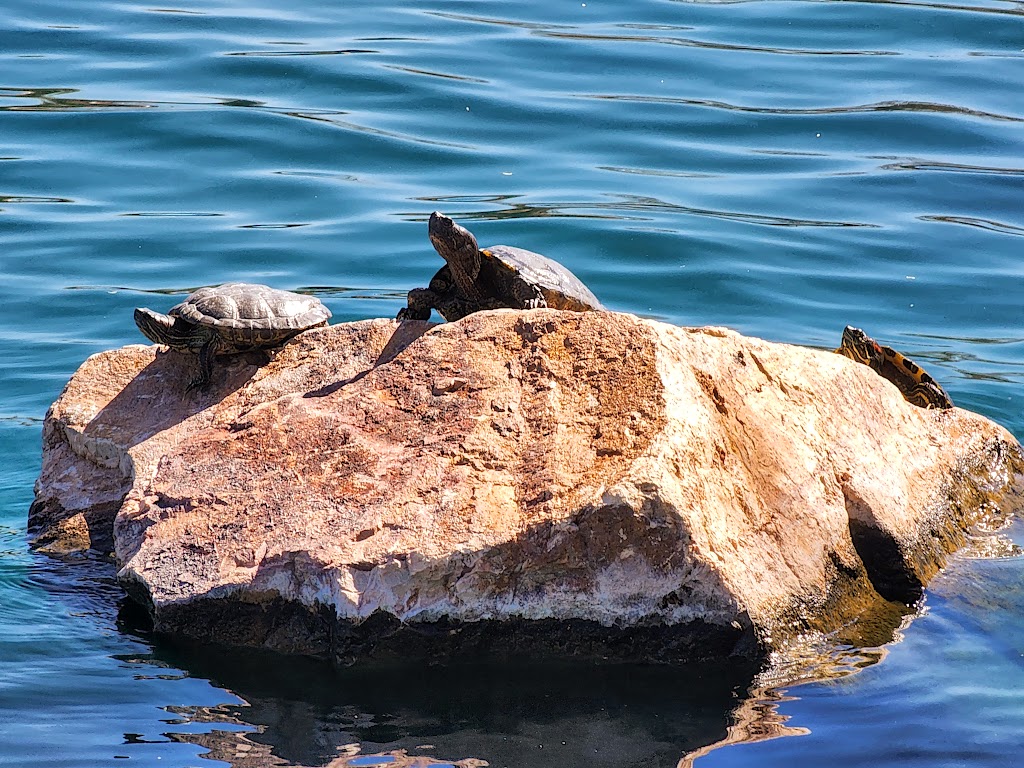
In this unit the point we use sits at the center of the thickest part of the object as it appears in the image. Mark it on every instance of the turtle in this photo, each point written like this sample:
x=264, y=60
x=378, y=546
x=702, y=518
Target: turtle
x=496, y=277
x=231, y=318
x=911, y=379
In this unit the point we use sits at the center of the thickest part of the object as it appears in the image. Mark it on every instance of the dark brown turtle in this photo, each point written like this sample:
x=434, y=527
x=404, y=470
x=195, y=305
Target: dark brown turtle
x=231, y=318
x=496, y=277
x=917, y=386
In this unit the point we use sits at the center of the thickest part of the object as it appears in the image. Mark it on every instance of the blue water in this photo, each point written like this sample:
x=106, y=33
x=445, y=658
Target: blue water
x=781, y=168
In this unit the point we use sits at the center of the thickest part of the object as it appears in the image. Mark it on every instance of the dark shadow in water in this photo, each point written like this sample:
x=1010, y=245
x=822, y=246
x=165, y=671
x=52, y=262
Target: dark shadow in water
x=302, y=712
x=538, y=715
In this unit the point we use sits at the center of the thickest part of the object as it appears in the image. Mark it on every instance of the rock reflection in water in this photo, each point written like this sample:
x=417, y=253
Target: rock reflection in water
x=809, y=658
x=306, y=714
x=309, y=714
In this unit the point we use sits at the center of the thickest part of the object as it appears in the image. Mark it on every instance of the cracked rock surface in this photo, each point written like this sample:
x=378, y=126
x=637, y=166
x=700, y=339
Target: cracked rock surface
x=584, y=484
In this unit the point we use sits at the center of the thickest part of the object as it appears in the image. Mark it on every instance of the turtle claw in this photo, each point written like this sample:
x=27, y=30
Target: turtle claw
x=200, y=382
x=196, y=385
x=420, y=302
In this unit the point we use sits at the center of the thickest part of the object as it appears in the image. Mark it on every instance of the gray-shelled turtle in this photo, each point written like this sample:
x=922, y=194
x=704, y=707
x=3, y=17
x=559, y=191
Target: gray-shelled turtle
x=231, y=318
x=499, y=276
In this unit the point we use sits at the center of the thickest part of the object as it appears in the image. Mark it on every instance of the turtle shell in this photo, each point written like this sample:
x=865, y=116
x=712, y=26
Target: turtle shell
x=247, y=314
x=561, y=288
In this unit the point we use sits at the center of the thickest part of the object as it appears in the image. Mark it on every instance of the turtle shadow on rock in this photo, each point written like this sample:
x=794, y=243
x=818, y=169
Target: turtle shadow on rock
x=124, y=397
x=232, y=371
x=405, y=334
x=144, y=407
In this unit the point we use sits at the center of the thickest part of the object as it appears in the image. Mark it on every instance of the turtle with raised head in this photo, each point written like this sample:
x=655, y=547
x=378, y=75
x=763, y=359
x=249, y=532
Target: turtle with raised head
x=231, y=318
x=496, y=277
x=911, y=379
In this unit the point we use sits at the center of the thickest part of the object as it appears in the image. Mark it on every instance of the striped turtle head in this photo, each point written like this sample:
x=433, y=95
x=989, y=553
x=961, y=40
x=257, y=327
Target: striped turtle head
x=457, y=246
x=169, y=331
x=860, y=347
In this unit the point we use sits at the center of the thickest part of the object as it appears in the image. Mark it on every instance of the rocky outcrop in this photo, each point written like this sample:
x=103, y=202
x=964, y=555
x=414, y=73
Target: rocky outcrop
x=586, y=484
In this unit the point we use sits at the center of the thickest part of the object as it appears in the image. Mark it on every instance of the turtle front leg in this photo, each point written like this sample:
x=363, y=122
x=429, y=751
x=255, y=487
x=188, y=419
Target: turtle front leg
x=206, y=354
x=419, y=303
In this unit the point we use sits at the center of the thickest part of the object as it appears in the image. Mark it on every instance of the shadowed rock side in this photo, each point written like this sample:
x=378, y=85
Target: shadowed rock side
x=515, y=483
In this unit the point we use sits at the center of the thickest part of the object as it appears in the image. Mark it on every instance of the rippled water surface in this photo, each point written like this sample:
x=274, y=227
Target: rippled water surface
x=781, y=168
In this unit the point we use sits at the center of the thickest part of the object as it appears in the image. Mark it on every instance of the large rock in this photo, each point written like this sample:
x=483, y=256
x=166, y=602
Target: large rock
x=588, y=484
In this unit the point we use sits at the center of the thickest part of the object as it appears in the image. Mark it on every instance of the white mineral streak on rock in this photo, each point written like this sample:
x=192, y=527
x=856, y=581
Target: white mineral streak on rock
x=513, y=466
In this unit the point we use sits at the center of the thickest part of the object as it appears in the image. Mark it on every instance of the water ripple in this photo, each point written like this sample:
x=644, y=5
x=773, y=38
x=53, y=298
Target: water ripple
x=491, y=20
x=172, y=214
x=21, y=420
x=916, y=164
x=880, y=106
x=996, y=54
x=940, y=6
x=614, y=210
x=55, y=99
x=693, y=43
x=312, y=290
x=430, y=73
x=322, y=117
x=33, y=199
x=970, y=221
x=49, y=102
x=336, y=52
x=176, y=10
x=287, y=225
x=658, y=172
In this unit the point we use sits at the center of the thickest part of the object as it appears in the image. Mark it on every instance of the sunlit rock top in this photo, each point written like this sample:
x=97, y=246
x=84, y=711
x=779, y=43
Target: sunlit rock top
x=587, y=484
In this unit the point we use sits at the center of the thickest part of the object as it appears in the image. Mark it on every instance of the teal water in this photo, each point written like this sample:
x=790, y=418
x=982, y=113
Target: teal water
x=781, y=168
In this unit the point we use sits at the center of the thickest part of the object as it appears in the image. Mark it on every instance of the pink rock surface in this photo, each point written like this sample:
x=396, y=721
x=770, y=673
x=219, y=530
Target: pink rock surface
x=587, y=484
